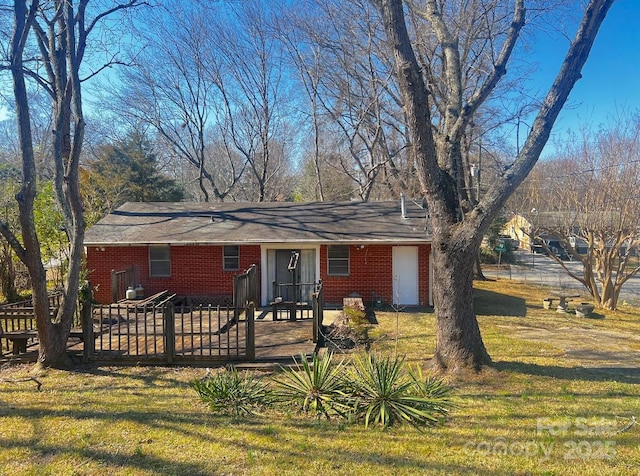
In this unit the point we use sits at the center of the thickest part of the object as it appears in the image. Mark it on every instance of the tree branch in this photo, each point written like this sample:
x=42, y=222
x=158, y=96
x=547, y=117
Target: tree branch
x=500, y=66
x=122, y=6
x=569, y=74
x=13, y=241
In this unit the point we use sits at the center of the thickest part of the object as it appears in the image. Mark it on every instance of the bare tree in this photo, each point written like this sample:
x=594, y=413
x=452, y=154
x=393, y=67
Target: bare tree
x=253, y=77
x=41, y=128
x=587, y=201
x=457, y=225
x=336, y=186
x=306, y=61
x=343, y=61
x=168, y=87
x=211, y=81
x=52, y=35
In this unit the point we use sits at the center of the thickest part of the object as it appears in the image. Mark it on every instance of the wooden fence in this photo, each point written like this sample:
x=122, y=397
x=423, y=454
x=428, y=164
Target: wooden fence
x=121, y=280
x=165, y=333
x=156, y=330
x=18, y=321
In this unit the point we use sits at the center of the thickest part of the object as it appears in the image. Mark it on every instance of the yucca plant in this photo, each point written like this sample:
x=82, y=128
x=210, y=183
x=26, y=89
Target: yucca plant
x=435, y=392
x=316, y=388
x=231, y=392
x=386, y=394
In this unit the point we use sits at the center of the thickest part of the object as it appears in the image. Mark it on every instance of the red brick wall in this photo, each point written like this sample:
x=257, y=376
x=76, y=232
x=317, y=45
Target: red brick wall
x=423, y=274
x=195, y=270
x=370, y=272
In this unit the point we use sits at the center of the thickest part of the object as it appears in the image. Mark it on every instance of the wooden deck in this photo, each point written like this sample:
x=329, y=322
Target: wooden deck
x=138, y=335
x=277, y=340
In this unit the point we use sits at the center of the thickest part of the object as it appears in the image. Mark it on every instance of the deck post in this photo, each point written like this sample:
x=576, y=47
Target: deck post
x=169, y=315
x=251, y=331
x=114, y=286
x=318, y=315
x=86, y=316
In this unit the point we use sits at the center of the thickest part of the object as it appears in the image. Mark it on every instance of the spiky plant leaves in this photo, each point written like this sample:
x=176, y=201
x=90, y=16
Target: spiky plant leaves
x=435, y=392
x=316, y=388
x=231, y=392
x=386, y=394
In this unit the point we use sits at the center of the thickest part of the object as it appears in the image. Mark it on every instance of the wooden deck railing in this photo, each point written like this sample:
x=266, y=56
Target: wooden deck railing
x=120, y=282
x=18, y=328
x=317, y=301
x=167, y=333
x=246, y=287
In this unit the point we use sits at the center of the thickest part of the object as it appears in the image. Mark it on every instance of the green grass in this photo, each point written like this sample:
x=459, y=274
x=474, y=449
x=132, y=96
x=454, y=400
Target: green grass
x=549, y=407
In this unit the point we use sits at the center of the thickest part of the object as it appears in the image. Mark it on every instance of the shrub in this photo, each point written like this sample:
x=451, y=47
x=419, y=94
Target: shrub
x=436, y=394
x=490, y=256
x=356, y=317
x=316, y=388
x=230, y=392
x=386, y=393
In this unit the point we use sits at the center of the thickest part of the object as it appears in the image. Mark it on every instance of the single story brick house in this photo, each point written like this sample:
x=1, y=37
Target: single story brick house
x=379, y=250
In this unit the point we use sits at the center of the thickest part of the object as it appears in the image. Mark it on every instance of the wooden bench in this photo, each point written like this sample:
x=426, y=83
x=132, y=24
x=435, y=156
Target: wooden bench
x=17, y=325
x=19, y=339
x=22, y=323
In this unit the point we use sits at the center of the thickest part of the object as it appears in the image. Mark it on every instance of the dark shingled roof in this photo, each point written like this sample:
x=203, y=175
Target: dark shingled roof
x=267, y=222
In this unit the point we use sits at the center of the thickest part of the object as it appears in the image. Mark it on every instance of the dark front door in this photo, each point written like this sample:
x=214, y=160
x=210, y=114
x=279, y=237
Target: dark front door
x=285, y=277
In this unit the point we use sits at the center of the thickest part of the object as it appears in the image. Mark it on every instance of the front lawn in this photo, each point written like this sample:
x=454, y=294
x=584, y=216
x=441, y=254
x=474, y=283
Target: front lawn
x=560, y=401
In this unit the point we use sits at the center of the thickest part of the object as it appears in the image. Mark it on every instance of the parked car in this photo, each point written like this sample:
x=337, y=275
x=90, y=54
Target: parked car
x=552, y=245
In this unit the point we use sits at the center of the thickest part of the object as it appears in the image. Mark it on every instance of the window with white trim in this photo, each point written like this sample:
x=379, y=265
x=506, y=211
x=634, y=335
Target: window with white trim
x=231, y=258
x=159, y=261
x=338, y=260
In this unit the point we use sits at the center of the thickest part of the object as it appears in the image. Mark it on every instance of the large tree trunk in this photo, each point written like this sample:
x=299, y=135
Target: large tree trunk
x=62, y=53
x=477, y=269
x=52, y=339
x=459, y=344
x=437, y=151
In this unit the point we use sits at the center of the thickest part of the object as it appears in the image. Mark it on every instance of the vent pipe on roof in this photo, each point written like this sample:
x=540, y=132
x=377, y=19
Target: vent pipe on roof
x=403, y=205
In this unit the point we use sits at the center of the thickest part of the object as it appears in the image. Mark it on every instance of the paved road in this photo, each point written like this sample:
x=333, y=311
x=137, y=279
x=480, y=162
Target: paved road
x=539, y=269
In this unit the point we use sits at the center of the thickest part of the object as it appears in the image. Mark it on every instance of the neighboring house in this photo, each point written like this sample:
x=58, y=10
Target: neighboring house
x=195, y=249
x=518, y=228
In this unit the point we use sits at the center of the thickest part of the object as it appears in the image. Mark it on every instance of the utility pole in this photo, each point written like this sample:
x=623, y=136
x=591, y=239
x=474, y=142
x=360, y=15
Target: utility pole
x=475, y=172
x=479, y=169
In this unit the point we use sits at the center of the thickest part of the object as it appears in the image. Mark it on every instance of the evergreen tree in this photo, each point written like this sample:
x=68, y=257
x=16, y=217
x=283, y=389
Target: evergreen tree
x=126, y=172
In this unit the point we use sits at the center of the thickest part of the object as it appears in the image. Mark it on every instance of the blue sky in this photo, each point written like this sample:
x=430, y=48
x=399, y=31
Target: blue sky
x=610, y=79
